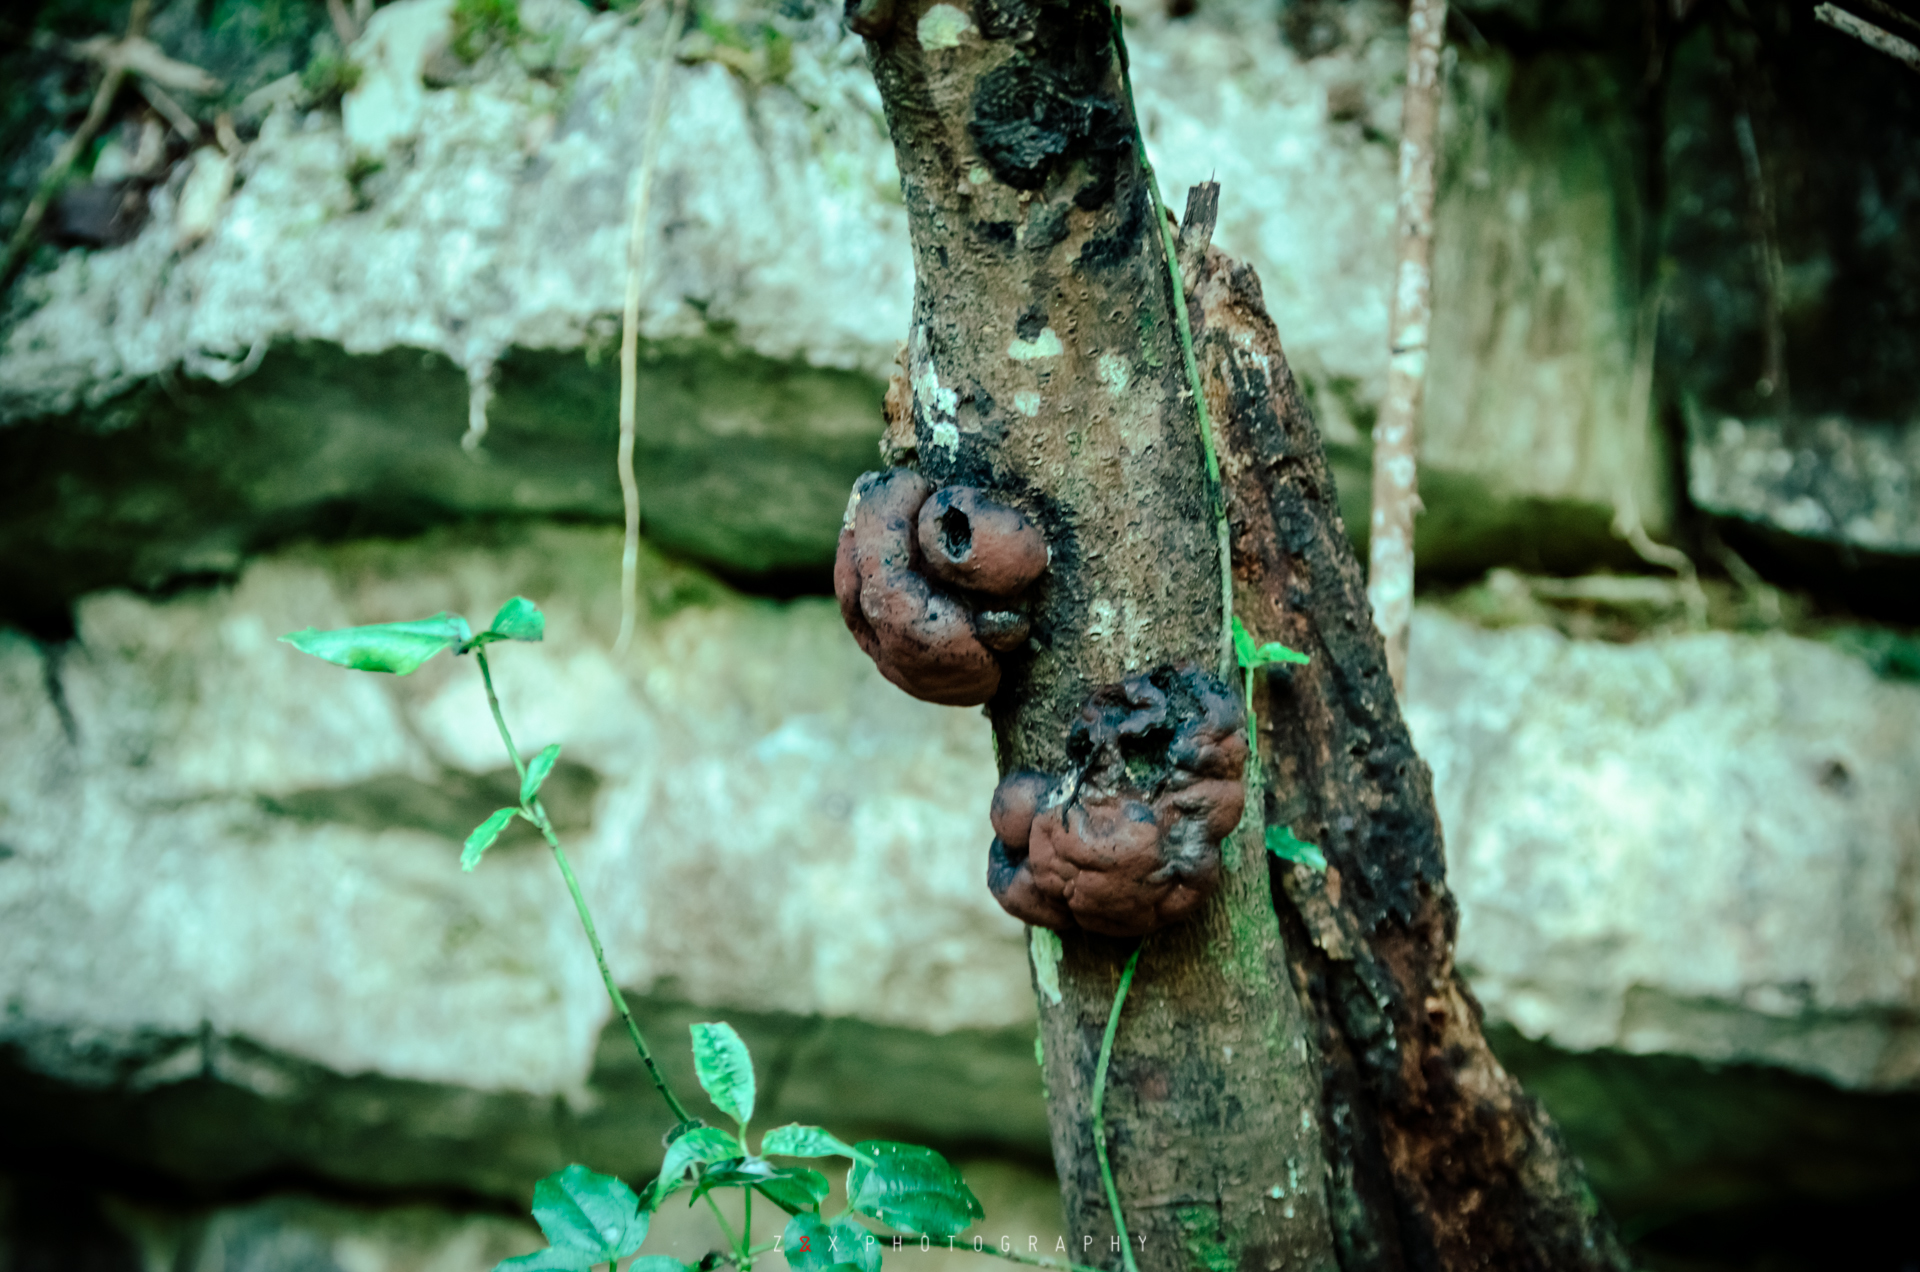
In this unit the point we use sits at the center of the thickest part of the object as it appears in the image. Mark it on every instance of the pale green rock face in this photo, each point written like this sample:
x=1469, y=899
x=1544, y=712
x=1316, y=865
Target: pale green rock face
x=231, y=878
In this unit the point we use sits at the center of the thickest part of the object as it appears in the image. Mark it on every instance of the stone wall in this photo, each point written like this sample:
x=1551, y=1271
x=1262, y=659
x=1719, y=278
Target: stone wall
x=249, y=993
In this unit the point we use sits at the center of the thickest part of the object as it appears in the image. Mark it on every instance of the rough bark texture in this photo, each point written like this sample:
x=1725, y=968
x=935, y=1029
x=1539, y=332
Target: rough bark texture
x=1435, y=1157
x=1044, y=371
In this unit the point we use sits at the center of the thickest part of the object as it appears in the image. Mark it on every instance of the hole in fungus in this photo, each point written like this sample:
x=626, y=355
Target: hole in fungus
x=956, y=533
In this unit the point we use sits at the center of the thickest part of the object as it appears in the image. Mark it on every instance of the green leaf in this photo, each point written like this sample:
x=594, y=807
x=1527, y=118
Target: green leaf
x=1271, y=652
x=537, y=770
x=698, y=1146
x=1275, y=652
x=796, y=1189
x=483, y=836
x=551, y=1259
x=396, y=647
x=744, y=1172
x=1242, y=643
x=807, y=1141
x=592, y=1216
x=792, y=1188
x=813, y=1245
x=1282, y=843
x=912, y=1189
x=725, y=1069
x=519, y=619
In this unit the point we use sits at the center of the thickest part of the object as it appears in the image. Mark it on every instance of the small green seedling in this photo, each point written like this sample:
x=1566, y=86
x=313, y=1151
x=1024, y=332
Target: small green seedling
x=591, y=1219
x=1251, y=658
x=1281, y=842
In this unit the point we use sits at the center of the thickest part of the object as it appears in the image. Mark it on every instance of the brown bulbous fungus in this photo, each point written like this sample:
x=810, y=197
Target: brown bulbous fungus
x=936, y=642
x=971, y=542
x=1016, y=802
x=1129, y=842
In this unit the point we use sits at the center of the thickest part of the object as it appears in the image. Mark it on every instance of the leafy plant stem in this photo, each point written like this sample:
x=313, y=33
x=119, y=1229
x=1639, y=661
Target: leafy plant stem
x=739, y=1244
x=537, y=814
x=1216, y=491
x=499, y=720
x=746, y=1224
x=765, y=1247
x=1099, y=1109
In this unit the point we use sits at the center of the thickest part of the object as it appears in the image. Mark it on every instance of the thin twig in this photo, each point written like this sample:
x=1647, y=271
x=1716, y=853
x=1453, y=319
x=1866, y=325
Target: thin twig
x=1396, y=434
x=1886, y=10
x=1870, y=35
x=343, y=24
x=1099, y=1110
x=630, y=326
x=537, y=813
x=176, y=114
x=745, y=1257
x=113, y=75
x=1626, y=504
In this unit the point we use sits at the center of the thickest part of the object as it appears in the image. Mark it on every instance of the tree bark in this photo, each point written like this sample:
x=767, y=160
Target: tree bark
x=1298, y=1079
x=1435, y=1156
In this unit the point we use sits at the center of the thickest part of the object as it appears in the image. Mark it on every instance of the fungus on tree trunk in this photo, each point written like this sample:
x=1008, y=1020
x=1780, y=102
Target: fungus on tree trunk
x=929, y=583
x=1129, y=841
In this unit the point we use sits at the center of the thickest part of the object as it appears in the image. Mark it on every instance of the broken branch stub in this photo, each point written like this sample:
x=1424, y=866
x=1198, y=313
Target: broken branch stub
x=1129, y=842
x=929, y=583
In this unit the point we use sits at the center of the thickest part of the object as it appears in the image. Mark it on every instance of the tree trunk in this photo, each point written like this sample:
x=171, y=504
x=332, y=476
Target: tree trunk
x=1435, y=1157
x=1298, y=1079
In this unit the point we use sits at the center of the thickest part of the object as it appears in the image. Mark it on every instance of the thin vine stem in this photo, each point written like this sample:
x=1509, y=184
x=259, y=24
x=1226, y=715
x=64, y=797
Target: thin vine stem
x=732, y=1257
x=630, y=325
x=537, y=814
x=1169, y=247
x=746, y=1223
x=739, y=1244
x=1100, y=1105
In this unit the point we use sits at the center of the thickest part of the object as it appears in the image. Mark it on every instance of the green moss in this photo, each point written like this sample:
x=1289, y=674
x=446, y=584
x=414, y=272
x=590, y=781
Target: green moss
x=1893, y=654
x=755, y=51
x=479, y=25
x=329, y=75
x=1207, y=1246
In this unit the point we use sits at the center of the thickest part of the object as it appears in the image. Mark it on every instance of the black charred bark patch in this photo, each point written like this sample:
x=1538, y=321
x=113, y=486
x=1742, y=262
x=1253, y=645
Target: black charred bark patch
x=999, y=234
x=1054, y=103
x=1123, y=244
x=1046, y=228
